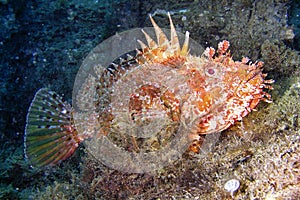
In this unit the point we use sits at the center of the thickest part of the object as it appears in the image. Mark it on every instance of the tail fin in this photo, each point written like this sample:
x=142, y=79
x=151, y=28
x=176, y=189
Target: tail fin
x=50, y=136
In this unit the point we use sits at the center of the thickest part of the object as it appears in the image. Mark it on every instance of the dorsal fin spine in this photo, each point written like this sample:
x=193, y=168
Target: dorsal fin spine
x=174, y=38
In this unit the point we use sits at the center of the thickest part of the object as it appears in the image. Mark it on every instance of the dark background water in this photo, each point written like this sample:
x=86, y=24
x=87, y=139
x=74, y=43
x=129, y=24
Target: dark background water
x=42, y=44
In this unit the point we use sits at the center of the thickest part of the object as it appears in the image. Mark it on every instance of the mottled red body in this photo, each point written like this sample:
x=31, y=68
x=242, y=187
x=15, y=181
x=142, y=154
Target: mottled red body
x=162, y=88
x=223, y=91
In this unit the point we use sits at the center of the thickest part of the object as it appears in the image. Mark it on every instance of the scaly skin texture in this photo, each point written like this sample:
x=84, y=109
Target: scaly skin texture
x=145, y=101
x=211, y=91
x=223, y=91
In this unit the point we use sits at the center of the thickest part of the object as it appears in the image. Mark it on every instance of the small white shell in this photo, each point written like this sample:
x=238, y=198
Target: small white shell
x=232, y=185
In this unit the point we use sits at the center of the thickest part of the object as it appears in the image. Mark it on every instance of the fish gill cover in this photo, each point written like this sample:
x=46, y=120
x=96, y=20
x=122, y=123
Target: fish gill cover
x=260, y=152
x=140, y=112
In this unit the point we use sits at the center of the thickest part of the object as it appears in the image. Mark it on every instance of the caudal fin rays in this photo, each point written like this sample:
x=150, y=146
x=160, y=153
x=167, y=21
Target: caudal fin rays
x=50, y=136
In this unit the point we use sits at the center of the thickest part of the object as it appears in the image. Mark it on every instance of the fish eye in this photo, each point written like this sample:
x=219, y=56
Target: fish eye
x=210, y=71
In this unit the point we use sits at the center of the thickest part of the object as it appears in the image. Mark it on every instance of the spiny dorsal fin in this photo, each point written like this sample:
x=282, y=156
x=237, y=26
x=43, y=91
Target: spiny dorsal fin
x=151, y=43
x=185, y=47
x=172, y=46
x=162, y=39
x=163, y=51
x=143, y=45
x=174, y=38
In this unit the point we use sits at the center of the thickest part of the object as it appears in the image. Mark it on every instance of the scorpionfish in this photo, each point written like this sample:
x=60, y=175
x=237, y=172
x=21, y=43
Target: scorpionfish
x=140, y=101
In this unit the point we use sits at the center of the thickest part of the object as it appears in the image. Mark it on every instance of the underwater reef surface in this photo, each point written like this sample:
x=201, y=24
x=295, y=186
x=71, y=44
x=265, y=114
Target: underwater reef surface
x=43, y=44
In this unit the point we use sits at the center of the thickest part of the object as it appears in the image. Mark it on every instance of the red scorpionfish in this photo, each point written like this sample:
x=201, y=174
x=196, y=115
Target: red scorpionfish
x=155, y=90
